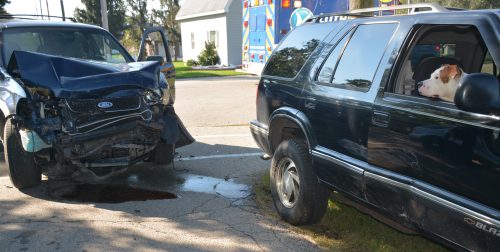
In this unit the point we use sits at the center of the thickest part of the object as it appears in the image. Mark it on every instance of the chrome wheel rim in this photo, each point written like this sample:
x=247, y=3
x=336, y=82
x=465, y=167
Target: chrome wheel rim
x=287, y=182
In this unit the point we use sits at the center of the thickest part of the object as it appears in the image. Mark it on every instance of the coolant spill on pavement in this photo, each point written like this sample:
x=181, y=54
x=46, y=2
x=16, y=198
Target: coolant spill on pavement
x=226, y=188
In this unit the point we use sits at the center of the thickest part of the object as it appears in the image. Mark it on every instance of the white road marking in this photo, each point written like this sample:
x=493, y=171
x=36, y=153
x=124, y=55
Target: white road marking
x=219, y=156
x=4, y=178
x=230, y=135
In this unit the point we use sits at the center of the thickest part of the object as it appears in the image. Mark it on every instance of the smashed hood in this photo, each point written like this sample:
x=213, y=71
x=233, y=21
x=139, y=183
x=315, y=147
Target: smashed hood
x=76, y=78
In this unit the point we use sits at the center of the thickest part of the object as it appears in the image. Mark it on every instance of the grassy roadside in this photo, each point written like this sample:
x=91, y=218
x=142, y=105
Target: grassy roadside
x=183, y=71
x=344, y=228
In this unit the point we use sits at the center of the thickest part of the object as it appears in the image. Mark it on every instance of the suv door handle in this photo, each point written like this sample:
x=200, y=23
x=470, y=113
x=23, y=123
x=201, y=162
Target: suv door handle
x=381, y=119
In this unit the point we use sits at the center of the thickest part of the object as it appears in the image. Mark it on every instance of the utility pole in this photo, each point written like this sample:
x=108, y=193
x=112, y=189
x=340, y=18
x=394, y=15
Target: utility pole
x=62, y=11
x=41, y=10
x=48, y=12
x=104, y=15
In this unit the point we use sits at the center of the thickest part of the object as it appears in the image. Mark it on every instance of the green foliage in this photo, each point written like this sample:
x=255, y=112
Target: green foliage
x=2, y=5
x=192, y=62
x=91, y=14
x=209, y=55
x=166, y=17
x=136, y=23
x=182, y=71
x=466, y=4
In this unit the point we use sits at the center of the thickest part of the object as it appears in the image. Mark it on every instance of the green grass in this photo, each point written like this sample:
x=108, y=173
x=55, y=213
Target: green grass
x=344, y=228
x=183, y=71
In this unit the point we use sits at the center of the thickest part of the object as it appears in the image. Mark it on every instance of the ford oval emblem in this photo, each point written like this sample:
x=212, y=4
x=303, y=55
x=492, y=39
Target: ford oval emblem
x=105, y=105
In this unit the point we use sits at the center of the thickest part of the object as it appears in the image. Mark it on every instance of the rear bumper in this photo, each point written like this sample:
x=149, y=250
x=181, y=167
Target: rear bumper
x=260, y=133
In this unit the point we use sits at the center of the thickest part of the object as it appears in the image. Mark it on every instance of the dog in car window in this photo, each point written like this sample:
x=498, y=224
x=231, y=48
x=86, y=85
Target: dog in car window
x=443, y=83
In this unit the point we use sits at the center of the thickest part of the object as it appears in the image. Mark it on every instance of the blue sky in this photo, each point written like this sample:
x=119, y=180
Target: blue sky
x=33, y=6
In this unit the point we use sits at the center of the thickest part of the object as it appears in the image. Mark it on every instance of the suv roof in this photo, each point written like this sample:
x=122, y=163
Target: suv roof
x=429, y=10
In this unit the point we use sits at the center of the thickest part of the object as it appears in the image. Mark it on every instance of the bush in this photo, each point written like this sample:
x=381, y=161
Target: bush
x=192, y=62
x=209, y=56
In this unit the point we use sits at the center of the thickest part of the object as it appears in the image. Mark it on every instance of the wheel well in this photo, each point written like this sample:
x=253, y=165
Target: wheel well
x=282, y=129
x=2, y=124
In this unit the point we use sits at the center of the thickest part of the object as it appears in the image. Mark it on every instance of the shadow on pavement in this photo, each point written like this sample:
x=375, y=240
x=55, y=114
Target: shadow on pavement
x=153, y=212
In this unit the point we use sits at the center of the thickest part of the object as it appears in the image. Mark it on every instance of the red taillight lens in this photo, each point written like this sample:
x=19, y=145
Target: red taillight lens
x=269, y=22
x=285, y=3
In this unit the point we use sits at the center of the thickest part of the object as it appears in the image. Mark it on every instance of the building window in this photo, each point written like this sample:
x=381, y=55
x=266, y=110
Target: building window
x=213, y=36
x=192, y=40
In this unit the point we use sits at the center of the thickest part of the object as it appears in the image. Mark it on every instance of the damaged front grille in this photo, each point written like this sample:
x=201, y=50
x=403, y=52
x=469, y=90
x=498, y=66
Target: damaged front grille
x=104, y=105
x=86, y=115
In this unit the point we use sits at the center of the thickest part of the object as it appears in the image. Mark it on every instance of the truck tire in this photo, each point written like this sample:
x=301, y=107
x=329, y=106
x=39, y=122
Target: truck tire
x=20, y=164
x=163, y=153
x=297, y=194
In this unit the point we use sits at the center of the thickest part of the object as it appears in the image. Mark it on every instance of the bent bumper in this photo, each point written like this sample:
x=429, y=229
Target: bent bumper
x=260, y=133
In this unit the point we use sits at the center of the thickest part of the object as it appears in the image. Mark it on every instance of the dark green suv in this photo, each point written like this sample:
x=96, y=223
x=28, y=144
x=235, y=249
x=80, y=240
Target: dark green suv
x=341, y=105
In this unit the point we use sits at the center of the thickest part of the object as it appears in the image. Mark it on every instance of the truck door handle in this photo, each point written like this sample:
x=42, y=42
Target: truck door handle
x=381, y=119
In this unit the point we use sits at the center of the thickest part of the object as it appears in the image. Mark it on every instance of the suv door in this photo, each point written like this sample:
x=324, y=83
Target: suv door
x=338, y=102
x=431, y=151
x=154, y=47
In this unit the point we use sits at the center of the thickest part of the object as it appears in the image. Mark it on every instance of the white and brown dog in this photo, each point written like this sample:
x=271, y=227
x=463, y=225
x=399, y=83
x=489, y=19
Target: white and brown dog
x=443, y=83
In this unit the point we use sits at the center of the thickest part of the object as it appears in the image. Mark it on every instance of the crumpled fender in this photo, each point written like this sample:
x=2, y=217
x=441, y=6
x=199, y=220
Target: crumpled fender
x=174, y=131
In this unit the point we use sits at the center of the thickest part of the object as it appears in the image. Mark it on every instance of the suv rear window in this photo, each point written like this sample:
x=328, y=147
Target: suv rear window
x=295, y=49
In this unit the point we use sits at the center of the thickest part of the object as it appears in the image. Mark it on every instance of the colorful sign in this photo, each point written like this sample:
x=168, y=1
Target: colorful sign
x=299, y=16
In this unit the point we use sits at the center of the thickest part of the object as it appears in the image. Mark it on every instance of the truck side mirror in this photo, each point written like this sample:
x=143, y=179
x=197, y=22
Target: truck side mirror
x=479, y=93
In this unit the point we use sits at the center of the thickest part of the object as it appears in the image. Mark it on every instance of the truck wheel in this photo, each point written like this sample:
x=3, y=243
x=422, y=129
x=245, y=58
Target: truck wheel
x=297, y=194
x=163, y=153
x=23, y=171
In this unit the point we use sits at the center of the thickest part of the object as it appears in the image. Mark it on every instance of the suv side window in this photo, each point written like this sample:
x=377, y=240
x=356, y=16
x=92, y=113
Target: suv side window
x=291, y=54
x=359, y=60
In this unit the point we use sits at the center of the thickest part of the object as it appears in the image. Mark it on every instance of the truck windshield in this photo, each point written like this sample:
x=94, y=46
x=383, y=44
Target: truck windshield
x=86, y=44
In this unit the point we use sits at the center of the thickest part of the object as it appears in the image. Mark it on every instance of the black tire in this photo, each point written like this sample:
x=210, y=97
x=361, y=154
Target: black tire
x=23, y=171
x=307, y=199
x=163, y=153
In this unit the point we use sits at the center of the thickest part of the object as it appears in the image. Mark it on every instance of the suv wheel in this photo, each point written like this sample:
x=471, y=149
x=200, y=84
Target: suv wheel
x=297, y=194
x=23, y=171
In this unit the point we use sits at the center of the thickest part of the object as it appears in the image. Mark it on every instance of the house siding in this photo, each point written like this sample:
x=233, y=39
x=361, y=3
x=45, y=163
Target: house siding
x=234, y=32
x=200, y=27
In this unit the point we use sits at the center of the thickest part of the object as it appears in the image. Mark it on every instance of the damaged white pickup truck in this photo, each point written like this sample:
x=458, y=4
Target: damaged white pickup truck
x=73, y=100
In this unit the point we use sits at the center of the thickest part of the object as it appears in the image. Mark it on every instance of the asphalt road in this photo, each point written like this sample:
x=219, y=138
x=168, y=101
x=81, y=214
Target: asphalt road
x=205, y=203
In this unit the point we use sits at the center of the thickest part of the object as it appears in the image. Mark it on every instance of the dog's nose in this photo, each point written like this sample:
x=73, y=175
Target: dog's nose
x=420, y=84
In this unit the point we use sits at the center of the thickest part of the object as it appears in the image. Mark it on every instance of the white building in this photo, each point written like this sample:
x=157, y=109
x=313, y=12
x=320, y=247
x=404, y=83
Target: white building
x=211, y=20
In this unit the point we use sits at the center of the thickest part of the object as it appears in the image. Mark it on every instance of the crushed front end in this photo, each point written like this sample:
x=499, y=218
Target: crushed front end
x=91, y=116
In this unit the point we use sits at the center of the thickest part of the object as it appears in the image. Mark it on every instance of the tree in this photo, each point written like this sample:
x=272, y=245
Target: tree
x=209, y=56
x=135, y=24
x=359, y=4
x=2, y=5
x=166, y=18
x=92, y=15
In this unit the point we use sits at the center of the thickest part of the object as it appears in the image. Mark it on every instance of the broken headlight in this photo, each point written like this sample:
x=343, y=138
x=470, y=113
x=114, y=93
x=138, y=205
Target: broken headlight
x=151, y=98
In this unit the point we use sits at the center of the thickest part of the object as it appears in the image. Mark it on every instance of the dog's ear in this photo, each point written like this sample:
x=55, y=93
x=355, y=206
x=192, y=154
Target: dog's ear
x=455, y=71
x=444, y=74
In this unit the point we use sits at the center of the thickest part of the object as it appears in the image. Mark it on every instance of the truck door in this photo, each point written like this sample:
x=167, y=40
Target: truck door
x=257, y=23
x=154, y=47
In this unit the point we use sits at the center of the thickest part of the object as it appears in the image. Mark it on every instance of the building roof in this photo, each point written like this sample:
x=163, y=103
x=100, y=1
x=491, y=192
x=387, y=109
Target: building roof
x=196, y=8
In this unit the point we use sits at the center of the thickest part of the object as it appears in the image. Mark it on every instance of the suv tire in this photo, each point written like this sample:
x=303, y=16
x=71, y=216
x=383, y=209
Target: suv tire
x=20, y=164
x=297, y=194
